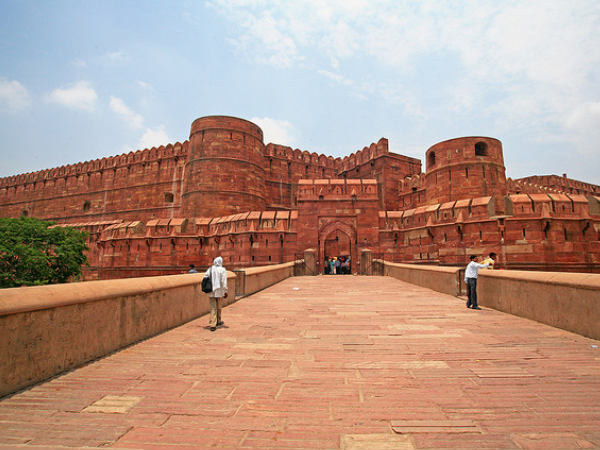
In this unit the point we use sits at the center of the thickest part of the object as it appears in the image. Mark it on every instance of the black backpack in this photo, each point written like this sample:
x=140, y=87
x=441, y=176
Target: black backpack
x=207, y=283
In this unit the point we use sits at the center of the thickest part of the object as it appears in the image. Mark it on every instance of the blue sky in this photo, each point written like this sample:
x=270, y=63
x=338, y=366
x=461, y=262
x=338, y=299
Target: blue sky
x=84, y=80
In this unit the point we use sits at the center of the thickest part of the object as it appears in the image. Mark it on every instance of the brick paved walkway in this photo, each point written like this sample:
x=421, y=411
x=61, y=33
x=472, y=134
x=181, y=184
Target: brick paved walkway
x=328, y=362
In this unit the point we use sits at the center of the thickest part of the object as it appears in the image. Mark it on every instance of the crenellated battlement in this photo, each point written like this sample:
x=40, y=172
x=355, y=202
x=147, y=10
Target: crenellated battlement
x=301, y=156
x=555, y=183
x=337, y=189
x=177, y=150
x=364, y=156
x=556, y=206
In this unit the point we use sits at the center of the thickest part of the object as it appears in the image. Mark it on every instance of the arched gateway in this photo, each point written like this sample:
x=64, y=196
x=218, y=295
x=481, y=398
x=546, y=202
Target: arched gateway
x=338, y=239
x=340, y=218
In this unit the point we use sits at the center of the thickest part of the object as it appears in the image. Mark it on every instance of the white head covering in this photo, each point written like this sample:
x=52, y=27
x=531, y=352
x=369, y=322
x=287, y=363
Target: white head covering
x=215, y=273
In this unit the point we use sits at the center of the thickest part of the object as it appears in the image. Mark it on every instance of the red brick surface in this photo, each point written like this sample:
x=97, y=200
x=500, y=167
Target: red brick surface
x=329, y=362
x=155, y=211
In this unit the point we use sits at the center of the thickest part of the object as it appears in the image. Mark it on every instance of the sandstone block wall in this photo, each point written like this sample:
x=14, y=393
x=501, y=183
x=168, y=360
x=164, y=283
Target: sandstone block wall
x=49, y=329
x=464, y=167
x=45, y=330
x=225, y=193
x=224, y=173
x=134, y=186
x=570, y=301
x=441, y=279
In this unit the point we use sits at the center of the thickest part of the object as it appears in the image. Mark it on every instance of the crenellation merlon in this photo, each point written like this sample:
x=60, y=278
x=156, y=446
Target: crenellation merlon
x=110, y=162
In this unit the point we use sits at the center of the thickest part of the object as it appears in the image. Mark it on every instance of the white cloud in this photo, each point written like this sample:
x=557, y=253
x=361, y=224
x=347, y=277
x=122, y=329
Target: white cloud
x=583, y=128
x=146, y=86
x=154, y=138
x=76, y=96
x=133, y=119
x=336, y=77
x=116, y=56
x=276, y=131
x=14, y=96
x=278, y=49
x=520, y=64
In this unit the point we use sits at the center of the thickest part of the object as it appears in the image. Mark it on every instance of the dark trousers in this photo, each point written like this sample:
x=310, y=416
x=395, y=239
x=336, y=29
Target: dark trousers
x=472, y=292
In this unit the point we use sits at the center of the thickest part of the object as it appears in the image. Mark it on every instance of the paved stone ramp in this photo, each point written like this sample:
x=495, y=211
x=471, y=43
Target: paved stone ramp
x=325, y=363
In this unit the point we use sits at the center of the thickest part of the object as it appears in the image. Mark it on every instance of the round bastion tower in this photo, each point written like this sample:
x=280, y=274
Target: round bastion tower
x=224, y=173
x=462, y=168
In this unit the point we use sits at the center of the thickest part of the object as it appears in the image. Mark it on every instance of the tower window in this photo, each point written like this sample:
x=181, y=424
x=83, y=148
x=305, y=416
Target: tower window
x=481, y=149
x=86, y=205
x=168, y=197
x=431, y=159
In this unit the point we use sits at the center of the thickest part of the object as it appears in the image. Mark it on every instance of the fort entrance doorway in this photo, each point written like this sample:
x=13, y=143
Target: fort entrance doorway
x=338, y=240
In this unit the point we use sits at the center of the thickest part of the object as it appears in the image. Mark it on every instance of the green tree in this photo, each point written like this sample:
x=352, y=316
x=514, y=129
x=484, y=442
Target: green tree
x=31, y=253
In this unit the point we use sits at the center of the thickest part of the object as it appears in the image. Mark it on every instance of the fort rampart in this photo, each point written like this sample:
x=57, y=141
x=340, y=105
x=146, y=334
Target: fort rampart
x=224, y=192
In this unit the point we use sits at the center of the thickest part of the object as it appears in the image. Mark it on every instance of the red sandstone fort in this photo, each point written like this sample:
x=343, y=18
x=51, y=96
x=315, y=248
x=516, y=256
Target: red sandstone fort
x=224, y=192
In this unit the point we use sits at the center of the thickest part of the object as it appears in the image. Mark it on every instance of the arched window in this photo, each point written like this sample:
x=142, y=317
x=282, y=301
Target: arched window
x=168, y=197
x=481, y=149
x=431, y=159
x=86, y=205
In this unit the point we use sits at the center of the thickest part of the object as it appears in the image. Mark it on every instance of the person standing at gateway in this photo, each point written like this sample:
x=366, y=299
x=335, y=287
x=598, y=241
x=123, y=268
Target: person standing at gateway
x=471, y=280
x=218, y=277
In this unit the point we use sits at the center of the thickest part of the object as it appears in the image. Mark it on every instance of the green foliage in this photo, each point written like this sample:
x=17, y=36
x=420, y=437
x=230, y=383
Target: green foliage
x=33, y=254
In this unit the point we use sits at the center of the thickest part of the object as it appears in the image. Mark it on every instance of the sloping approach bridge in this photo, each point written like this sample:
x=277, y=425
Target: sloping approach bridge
x=319, y=362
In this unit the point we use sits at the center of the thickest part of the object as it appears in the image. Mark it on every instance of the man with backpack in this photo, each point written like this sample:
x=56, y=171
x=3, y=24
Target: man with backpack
x=217, y=274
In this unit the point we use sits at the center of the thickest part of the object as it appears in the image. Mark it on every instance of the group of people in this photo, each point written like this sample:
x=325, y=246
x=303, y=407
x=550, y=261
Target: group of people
x=338, y=265
x=471, y=273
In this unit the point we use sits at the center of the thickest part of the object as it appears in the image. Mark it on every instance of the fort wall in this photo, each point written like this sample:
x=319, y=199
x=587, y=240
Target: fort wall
x=561, y=184
x=135, y=186
x=224, y=192
x=538, y=232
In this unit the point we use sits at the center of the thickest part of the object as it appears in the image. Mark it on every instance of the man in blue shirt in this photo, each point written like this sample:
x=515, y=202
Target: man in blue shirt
x=471, y=280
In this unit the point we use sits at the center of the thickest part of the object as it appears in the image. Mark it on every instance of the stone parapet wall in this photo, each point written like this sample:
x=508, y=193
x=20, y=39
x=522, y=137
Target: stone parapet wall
x=441, y=279
x=49, y=329
x=46, y=330
x=570, y=301
x=256, y=279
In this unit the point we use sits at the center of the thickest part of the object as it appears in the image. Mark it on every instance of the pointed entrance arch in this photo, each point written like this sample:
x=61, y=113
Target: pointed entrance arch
x=338, y=239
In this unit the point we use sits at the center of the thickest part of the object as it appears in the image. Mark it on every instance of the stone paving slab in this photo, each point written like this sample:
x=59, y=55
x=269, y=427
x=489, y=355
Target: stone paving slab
x=341, y=362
